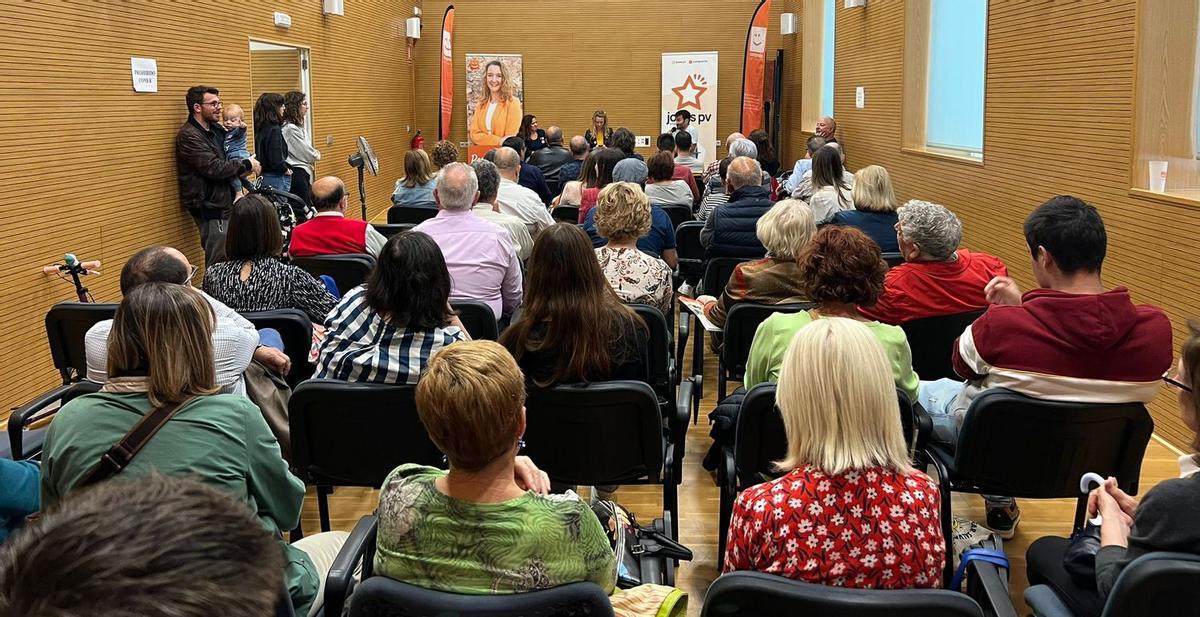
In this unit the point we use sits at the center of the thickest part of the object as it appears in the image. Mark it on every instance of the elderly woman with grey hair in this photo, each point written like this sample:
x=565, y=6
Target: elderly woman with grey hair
x=716, y=184
x=937, y=277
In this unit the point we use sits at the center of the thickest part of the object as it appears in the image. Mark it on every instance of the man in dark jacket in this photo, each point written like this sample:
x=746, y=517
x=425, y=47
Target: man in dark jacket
x=730, y=230
x=551, y=158
x=205, y=190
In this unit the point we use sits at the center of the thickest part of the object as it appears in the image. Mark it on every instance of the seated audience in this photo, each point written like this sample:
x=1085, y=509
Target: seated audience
x=480, y=256
x=622, y=216
x=516, y=200
x=685, y=152
x=766, y=152
x=415, y=189
x=155, y=547
x=729, y=230
x=660, y=188
x=1163, y=521
x=252, y=278
x=935, y=278
x=804, y=165
x=386, y=330
x=486, y=208
x=874, y=208
x=535, y=138
x=1068, y=340
x=572, y=327
x=659, y=241
x=160, y=353
x=716, y=196
x=666, y=143
x=235, y=342
x=845, y=446
x=710, y=170
x=529, y=176
x=775, y=279
x=715, y=184
x=624, y=140
x=19, y=495
x=572, y=189
x=570, y=168
x=550, y=159
x=830, y=191
x=444, y=152
x=606, y=163
x=330, y=232
x=631, y=170
x=806, y=189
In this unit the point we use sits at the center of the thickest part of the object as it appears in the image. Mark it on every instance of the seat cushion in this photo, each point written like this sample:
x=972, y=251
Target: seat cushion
x=1046, y=603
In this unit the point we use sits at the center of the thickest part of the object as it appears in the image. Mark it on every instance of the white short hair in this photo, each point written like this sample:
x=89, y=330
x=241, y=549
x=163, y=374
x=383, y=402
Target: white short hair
x=456, y=186
x=932, y=227
x=743, y=147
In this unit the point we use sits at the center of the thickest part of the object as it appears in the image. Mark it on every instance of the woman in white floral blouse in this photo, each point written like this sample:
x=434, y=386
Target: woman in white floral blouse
x=623, y=216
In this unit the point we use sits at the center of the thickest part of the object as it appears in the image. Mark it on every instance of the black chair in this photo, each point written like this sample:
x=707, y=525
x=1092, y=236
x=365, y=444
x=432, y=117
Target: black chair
x=754, y=594
x=679, y=215
x=565, y=214
x=1153, y=585
x=477, y=317
x=390, y=230
x=690, y=251
x=664, y=377
x=354, y=434
x=405, y=214
x=296, y=330
x=716, y=274
x=348, y=271
x=932, y=342
x=606, y=433
x=66, y=325
x=379, y=596
x=893, y=259
x=1014, y=445
x=740, y=325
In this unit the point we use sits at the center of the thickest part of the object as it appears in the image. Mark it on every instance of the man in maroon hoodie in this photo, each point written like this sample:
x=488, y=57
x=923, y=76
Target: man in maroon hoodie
x=1068, y=340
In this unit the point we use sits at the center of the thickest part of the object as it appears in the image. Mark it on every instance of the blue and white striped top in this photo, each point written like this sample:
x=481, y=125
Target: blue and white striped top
x=360, y=346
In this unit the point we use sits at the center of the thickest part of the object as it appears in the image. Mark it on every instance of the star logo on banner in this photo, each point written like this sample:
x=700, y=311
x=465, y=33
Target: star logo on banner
x=689, y=92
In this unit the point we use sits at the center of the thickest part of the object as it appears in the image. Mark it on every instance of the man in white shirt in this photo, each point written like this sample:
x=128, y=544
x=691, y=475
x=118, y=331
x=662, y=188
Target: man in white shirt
x=684, y=150
x=516, y=200
x=486, y=208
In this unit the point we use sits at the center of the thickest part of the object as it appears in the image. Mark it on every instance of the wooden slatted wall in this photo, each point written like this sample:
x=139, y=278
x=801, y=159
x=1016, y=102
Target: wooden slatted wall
x=1059, y=119
x=273, y=71
x=87, y=165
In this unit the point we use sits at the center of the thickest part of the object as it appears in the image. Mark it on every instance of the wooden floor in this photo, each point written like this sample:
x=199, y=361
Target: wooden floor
x=698, y=505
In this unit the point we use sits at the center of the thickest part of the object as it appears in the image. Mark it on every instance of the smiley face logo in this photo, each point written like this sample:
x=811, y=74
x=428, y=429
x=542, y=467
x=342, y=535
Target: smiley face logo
x=758, y=40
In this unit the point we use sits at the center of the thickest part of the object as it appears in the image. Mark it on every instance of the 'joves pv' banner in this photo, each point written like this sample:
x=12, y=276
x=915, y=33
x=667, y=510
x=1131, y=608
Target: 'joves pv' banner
x=689, y=82
x=447, y=98
x=752, y=72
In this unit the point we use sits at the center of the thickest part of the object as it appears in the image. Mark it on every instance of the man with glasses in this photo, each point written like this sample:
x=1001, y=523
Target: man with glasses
x=205, y=175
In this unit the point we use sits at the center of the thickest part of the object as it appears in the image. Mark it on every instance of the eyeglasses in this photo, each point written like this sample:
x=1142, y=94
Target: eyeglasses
x=212, y=104
x=191, y=275
x=1173, y=380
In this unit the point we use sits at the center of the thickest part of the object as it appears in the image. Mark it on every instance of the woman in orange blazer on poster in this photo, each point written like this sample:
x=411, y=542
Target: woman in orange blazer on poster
x=498, y=112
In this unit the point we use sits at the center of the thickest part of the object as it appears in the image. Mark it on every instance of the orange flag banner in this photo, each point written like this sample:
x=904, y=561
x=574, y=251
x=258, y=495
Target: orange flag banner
x=754, y=68
x=447, y=99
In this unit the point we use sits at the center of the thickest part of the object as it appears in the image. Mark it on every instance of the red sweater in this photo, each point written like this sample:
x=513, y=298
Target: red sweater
x=917, y=289
x=328, y=235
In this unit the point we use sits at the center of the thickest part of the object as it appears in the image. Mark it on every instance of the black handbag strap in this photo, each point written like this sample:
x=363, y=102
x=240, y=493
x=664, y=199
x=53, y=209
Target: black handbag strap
x=121, y=454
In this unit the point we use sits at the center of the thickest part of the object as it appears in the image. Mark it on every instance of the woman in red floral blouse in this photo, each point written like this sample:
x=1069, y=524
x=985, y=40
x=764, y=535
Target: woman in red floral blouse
x=851, y=511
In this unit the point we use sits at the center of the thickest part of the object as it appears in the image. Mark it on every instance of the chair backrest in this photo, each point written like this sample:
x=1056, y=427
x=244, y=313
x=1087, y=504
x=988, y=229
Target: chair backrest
x=679, y=215
x=477, y=317
x=354, y=434
x=1156, y=585
x=565, y=214
x=380, y=596
x=66, y=325
x=406, y=214
x=932, y=342
x=1057, y=443
x=717, y=272
x=78, y=390
x=689, y=250
x=893, y=259
x=348, y=271
x=296, y=330
x=606, y=432
x=660, y=346
x=391, y=229
x=746, y=594
x=740, y=326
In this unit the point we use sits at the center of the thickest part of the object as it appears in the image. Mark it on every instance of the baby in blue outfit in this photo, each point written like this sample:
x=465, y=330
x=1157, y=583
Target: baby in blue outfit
x=235, y=140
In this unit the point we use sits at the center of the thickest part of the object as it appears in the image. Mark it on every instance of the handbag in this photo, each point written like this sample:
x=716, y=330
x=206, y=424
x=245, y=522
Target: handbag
x=635, y=545
x=1079, y=560
x=270, y=393
x=121, y=454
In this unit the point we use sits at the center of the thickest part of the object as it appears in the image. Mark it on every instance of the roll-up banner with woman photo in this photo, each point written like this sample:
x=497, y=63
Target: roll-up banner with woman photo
x=495, y=95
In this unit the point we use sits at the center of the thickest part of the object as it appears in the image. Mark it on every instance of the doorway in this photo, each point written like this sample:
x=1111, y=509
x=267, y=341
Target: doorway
x=275, y=67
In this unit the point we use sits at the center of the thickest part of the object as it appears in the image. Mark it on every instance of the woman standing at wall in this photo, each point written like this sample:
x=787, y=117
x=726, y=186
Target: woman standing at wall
x=302, y=156
x=498, y=112
x=269, y=145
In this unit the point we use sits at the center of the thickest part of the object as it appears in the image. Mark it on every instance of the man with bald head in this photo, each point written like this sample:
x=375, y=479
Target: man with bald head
x=826, y=127
x=515, y=199
x=330, y=232
x=551, y=158
x=479, y=254
x=714, y=168
x=570, y=170
x=730, y=230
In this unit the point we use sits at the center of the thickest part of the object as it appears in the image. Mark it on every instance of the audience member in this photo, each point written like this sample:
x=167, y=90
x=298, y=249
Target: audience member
x=551, y=158
x=766, y=152
x=330, y=232
x=775, y=279
x=685, y=153
x=659, y=240
x=717, y=196
x=535, y=138
x=683, y=124
x=845, y=447
x=827, y=129
x=415, y=189
x=235, y=142
x=831, y=193
x=157, y=547
x=606, y=162
x=302, y=156
x=729, y=230
x=711, y=170
x=205, y=175
x=235, y=342
x=739, y=147
x=573, y=327
x=1068, y=340
x=571, y=168
x=252, y=277
x=666, y=143
x=444, y=152
x=498, y=110
x=161, y=354
x=517, y=200
x=631, y=170
x=874, y=208
x=269, y=144
x=19, y=495
x=486, y=208
x=530, y=176
x=936, y=278
x=624, y=140
x=804, y=165
x=386, y=330
x=622, y=216
x=1163, y=521
x=600, y=133
x=806, y=189
x=660, y=188
x=572, y=190
x=480, y=255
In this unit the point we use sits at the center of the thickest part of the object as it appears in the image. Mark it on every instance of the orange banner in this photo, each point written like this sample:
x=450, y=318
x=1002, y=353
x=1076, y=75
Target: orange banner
x=755, y=67
x=447, y=73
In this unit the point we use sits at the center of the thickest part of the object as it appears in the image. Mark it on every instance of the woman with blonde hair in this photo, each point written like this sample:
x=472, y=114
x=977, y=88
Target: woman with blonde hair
x=600, y=133
x=622, y=217
x=874, y=208
x=850, y=510
x=498, y=111
x=415, y=189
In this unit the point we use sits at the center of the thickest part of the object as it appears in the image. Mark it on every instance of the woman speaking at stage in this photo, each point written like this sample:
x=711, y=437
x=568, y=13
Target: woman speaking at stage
x=498, y=112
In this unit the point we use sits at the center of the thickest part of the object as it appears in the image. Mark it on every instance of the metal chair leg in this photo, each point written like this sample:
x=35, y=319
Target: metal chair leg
x=323, y=506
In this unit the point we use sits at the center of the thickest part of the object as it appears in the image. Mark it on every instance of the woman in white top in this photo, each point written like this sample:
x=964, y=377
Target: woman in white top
x=831, y=192
x=302, y=156
x=572, y=192
x=660, y=188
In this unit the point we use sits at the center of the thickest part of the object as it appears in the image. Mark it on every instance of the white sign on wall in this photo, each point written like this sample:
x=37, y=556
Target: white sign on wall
x=145, y=74
x=689, y=82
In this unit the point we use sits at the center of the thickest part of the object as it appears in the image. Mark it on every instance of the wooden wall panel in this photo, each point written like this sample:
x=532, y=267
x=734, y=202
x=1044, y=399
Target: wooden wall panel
x=273, y=71
x=1058, y=120
x=87, y=165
